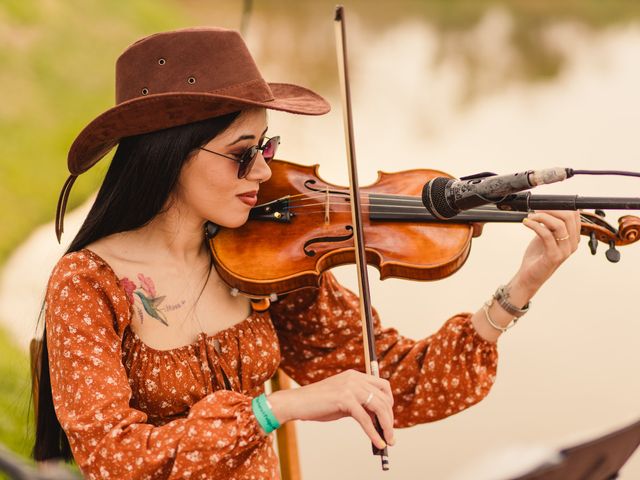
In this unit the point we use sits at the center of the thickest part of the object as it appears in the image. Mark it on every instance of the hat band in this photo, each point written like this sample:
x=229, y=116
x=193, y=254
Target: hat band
x=62, y=205
x=255, y=90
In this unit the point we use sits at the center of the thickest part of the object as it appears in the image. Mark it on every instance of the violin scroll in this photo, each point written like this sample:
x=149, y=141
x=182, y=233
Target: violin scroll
x=598, y=230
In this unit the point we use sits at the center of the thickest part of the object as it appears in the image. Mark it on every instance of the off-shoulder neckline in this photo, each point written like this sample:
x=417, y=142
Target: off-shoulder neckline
x=189, y=346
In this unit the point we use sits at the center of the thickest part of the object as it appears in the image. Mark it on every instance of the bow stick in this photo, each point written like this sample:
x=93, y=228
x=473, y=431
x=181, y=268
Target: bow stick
x=368, y=339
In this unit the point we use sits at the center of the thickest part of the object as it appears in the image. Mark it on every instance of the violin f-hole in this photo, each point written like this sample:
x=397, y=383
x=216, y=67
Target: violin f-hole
x=308, y=185
x=338, y=238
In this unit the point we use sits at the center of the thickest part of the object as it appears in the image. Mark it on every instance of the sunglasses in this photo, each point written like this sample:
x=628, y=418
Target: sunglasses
x=248, y=157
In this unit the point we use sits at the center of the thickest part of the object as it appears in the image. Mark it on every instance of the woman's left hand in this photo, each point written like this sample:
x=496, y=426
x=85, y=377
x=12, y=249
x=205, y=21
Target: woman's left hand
x=557, y=237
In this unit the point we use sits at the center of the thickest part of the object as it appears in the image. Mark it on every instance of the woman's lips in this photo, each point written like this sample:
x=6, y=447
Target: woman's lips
x=249, y=198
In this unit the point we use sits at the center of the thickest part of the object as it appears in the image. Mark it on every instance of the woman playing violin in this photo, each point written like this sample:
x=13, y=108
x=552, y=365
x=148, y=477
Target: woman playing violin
x=153, y=368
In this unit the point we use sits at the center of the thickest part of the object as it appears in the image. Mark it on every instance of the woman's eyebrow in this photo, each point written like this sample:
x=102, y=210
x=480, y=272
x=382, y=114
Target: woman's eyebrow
x=247, y=137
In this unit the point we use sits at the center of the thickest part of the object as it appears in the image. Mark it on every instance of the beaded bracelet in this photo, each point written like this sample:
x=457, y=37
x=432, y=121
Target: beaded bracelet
x=502, y=296
x=264, y=414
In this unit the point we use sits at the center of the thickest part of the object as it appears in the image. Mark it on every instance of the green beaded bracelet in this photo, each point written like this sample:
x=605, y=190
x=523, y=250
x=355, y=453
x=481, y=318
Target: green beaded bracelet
x=264, y=415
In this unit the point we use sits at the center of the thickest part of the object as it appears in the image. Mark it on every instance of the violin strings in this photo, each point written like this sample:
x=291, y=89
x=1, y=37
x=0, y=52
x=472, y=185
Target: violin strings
x=336, y=208
x=414, y=203
x=308, y=209
x=309, y=200
x=427, y=216
x=468, y=213
x=334, y=194
x=411, y=202
x=417, y=206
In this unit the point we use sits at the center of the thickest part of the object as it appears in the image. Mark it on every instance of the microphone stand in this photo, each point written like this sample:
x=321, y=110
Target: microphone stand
x=525, y=202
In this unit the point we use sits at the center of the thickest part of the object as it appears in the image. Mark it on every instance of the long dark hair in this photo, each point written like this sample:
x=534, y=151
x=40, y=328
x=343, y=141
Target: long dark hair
x=144, y=171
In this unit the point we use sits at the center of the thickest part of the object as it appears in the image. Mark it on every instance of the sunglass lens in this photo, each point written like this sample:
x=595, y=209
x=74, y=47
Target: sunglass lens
x=269, y=149
x=246, y=162
x=249, y=156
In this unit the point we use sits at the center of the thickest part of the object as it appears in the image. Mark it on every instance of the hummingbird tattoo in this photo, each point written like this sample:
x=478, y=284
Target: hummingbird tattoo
x=151, y=305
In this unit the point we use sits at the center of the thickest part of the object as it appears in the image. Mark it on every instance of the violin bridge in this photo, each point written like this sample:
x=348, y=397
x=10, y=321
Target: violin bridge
x=327, y=219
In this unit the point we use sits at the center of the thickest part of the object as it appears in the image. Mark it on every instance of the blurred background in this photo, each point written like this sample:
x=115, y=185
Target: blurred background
x=458, y=86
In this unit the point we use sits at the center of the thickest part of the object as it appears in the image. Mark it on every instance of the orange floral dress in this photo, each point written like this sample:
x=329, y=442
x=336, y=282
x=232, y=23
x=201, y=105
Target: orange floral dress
x=130, y=411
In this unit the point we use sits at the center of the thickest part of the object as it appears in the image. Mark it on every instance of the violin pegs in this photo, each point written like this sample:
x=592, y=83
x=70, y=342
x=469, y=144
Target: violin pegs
x=600, y=213
x=593, y=243
x=612, y=254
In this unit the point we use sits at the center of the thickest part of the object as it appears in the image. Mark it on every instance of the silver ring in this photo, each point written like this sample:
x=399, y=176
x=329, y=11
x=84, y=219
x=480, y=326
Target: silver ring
x=366, y=402
x=563, y=238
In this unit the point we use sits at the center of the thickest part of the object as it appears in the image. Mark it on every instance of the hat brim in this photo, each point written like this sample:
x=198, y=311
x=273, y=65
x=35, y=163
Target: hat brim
x=157, y=112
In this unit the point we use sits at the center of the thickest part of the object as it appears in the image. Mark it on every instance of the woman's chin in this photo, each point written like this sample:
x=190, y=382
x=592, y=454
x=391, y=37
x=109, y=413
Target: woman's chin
x=235, y=222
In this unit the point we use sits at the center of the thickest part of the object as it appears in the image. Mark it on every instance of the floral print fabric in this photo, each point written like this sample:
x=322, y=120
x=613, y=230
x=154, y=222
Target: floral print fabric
x=130, y=411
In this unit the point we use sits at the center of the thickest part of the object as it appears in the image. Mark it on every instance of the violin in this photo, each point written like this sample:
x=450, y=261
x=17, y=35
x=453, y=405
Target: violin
x=302, y=226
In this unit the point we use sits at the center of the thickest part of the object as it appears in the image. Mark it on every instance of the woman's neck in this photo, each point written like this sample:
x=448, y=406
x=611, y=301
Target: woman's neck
x=176, y=238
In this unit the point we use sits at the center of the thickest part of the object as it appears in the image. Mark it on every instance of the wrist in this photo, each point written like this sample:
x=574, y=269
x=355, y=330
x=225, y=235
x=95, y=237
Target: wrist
x=502, y=297
x=520, y=291
x=502, y=310
x=264, y=415
x=279, y=406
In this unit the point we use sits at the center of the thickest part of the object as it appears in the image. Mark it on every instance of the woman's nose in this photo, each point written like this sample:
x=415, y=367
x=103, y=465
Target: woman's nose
x=260, y=172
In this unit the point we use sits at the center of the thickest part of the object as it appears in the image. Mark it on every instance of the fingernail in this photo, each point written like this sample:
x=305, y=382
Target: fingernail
x=525, y=220
x=381, y=445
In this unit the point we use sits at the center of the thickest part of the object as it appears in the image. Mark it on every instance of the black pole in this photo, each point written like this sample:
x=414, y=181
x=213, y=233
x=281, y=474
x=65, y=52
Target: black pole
x=524, y=202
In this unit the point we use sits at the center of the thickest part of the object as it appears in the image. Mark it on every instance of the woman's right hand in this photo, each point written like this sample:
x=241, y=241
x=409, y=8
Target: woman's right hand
x=343, y=395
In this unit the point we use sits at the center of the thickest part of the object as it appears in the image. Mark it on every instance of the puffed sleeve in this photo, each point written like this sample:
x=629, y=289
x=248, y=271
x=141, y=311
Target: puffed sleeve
x=91, y=393
x=320, y=334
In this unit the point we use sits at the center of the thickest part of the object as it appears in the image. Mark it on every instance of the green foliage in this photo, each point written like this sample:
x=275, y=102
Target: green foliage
x=15, y=398
x=53, y=82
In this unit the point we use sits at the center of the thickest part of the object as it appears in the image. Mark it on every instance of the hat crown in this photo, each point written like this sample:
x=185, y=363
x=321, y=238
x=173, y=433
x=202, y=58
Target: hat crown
x=194, y=60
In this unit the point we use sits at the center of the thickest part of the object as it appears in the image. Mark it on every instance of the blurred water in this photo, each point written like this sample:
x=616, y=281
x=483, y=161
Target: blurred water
x=571, y=366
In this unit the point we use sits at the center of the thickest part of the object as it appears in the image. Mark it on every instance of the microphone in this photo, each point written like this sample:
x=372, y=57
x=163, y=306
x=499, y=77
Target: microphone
x=446, y=197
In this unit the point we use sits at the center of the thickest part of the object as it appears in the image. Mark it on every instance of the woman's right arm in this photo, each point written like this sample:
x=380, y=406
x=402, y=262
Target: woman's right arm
x=91, y=392
x=347, y=394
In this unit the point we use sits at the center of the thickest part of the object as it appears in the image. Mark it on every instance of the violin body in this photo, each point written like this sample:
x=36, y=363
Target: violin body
x=303, y=226
x=278, y=255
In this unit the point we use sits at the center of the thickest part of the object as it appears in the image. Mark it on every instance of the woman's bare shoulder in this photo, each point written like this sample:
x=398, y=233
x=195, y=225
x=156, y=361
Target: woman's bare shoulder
x=116, y=253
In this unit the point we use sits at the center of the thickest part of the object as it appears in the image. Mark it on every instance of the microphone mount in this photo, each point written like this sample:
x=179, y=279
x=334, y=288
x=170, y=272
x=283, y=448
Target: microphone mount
x=526, y=202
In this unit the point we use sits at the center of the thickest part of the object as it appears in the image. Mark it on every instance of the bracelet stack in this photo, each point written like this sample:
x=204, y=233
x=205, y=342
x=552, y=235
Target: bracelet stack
x=502, y=297
x=264, y=414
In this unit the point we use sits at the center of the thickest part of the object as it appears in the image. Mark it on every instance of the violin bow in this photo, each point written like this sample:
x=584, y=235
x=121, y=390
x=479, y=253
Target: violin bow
x=368, y=338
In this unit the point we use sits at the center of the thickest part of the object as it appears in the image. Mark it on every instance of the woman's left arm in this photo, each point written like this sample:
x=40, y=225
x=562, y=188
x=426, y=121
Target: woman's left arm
x=557, y=237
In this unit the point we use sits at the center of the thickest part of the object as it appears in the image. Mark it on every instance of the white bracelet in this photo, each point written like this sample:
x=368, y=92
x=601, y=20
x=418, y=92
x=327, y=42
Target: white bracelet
x=494, y=324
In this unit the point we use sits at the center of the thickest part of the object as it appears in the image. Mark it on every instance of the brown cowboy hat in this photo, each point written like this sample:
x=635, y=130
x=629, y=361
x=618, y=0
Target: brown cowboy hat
x=175, y=78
